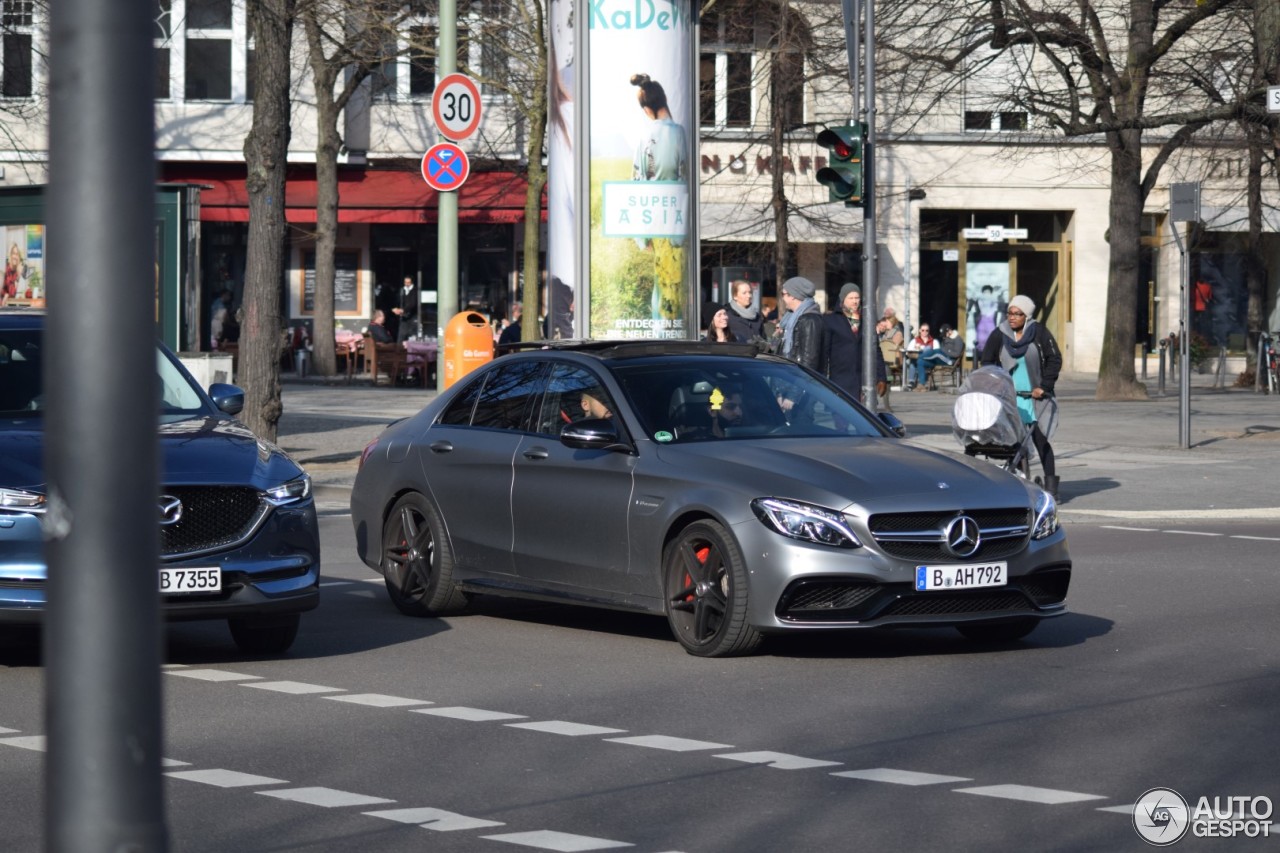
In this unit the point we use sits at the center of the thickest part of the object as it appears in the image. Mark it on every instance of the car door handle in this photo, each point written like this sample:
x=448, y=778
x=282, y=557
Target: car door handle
x=442, y=446
x=536, y=453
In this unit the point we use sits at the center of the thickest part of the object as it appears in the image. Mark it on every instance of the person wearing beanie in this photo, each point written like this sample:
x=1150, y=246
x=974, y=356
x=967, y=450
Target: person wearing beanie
x=844, y=345
x=803, y=332
x=1029, y=352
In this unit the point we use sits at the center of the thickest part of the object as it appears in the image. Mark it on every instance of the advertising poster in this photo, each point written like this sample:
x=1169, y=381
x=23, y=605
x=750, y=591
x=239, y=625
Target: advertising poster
x=987, y=297
x=558, y=297
x=24, y=262
x=641, y=141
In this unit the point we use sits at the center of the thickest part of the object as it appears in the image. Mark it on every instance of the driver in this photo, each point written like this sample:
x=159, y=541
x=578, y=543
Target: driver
x=725, y=410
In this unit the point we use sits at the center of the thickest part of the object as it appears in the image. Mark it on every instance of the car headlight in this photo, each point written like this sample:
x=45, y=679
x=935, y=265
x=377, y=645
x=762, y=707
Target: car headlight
x=16, y=500
x=1046, y=517
x=806, y=522
x=294, y=490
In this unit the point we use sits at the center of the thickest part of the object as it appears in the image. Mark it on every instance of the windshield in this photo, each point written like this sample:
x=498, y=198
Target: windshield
x=22, y=389
x=712, y=399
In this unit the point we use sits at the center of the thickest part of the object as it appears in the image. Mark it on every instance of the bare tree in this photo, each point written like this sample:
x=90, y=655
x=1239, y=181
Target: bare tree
x=266, y=151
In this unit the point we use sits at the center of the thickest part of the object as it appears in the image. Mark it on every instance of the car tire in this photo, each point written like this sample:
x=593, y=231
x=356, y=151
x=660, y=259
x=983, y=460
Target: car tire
x=417, y=560
x=1006, y=631
x=705, y=585
x=265, y=637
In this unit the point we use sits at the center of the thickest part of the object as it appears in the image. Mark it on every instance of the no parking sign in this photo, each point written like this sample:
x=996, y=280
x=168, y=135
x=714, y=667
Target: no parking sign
x=445, y=167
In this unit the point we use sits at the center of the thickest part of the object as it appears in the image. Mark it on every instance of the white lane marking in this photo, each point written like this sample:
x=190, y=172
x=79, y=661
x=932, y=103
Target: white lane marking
x=900, y=777
x=474, y=715
x=1192, y=532
x=377, y=700
x=225, y=778
x=296, y=687
x=35, y=743
x=173, y=666
x=1029, y=794
x=4, y=731
x=1121, y=527
x=564, y=842
x=1262, y=513
x=336, y=583
x=672, y=744
x=326, y=797
x=173, y=762
x=561, y=727
x=378, y=579
x=436, y=819
x=778, y=760
x=1127, y=810
x=213, y=675
x=1258, y=538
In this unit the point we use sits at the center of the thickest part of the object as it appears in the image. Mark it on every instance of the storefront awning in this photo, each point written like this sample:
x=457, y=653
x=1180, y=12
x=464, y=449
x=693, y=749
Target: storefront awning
x=363, y=195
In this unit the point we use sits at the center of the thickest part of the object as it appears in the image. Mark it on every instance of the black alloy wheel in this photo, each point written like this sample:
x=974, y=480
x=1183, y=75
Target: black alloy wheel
x=417, y=560
x=705, y=580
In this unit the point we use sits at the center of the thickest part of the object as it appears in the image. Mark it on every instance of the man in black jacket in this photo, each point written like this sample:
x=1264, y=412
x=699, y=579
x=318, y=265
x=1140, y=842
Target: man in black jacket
x=844, y=345
x=803, y=332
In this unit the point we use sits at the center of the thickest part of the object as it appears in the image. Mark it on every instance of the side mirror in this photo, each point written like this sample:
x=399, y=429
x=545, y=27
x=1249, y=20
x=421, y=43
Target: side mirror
x=592, y=434
x=895, y=426
x=228, y=398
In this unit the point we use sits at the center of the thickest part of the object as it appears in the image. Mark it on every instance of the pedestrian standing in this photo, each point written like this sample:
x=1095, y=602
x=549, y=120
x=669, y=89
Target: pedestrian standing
x=803, y=332
x=844, y=345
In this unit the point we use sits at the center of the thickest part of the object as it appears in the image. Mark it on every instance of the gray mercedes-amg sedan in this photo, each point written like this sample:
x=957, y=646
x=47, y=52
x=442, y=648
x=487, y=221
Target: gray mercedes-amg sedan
x=735, y=492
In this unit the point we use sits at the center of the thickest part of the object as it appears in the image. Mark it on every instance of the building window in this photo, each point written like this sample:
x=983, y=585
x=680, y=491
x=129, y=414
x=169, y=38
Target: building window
x=411, y=69
x=993, y=80
x=203, y=50
x=163, y=35
x=983, y=120
x=725, y=68
x=16, y=48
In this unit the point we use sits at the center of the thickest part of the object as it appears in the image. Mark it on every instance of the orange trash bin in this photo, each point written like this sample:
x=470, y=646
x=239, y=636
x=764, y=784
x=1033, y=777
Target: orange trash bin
x=468, y=343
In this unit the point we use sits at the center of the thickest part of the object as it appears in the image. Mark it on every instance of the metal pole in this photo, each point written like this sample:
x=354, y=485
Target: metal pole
x=906, y=285
x=1184, y=343
x=102, y=629
x=447, y=204
x=869, y=343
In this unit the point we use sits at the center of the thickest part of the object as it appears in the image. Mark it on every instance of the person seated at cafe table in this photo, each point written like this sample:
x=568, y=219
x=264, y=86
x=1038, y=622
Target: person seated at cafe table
x=378, y=328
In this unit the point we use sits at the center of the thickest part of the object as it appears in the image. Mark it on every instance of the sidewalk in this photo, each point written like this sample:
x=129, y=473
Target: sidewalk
x=1116, y=460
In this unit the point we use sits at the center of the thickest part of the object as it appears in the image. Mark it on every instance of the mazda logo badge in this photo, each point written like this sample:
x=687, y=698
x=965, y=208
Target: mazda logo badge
x=963, y=536
x=170, y=510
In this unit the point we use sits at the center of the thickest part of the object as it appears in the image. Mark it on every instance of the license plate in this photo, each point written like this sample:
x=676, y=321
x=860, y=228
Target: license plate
x=190, y=580
x=930, y=578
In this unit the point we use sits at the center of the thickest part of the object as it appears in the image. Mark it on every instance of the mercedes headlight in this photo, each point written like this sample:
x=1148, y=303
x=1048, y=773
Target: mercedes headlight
x=1046, y=517
x=17, y=500
x=290, y=492
x=806, y=522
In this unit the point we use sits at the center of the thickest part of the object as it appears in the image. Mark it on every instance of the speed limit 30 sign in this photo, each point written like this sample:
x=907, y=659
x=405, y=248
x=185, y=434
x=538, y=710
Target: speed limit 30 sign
x=456, y=106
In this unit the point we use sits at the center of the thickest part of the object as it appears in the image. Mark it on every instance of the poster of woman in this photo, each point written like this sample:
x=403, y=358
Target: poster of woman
x=641, y=116
x=987, y=295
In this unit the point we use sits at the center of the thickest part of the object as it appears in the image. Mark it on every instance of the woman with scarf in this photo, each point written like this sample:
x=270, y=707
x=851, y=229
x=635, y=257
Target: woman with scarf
x=1029, y=352
x=746, y=321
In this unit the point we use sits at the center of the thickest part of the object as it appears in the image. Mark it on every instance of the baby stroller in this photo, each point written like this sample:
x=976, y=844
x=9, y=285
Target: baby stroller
x=986, y=422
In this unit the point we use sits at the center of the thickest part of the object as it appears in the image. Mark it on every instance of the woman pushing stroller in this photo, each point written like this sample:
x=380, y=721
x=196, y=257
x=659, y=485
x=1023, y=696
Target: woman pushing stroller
x=1028, y=351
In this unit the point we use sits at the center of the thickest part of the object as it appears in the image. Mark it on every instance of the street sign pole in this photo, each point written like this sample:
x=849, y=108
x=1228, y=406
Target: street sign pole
x=446, y=203
x=1184, y=206
x=870, y=346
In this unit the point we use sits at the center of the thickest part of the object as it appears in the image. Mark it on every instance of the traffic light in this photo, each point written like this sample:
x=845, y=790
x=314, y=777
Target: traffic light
x=843, y=174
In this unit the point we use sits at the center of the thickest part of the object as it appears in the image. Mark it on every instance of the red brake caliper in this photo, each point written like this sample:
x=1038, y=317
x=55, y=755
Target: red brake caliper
x=701, y=554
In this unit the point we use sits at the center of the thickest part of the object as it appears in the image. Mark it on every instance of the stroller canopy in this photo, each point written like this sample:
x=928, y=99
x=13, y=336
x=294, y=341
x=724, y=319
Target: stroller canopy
x=986, y=410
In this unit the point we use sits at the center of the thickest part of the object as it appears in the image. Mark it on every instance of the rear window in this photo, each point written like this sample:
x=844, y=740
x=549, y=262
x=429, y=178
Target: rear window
x=20, y=366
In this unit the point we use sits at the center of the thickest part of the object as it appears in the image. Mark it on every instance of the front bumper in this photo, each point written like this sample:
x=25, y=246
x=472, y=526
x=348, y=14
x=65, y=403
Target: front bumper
x=276, y=572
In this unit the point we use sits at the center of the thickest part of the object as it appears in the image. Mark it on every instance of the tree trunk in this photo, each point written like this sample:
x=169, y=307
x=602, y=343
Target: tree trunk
x=266, y=156
x=1116, y=378
x=530, y=328
x=778, y=199
x=323, y=357
x=1255, y=262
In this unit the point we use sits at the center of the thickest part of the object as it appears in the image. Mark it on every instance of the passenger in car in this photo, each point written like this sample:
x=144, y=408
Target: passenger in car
x=594, y=405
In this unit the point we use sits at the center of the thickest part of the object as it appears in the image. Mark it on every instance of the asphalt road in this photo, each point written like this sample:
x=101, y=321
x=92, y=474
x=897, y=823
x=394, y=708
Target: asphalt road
x=537, y=727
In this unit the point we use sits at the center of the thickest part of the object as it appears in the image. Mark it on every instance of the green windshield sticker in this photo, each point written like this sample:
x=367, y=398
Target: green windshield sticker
x=662, y=435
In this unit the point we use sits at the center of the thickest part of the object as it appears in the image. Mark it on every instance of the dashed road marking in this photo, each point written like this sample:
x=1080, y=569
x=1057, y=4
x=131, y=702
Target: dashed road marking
x=225, y=778
x=1192, y=532
x=299, y=688
x=564, y=842
x=1131, y=529
x=1258, y=538
x=473, y=715
x=562, y=727
x=4, y=731
x=671, y=744
x=214, y=675
x=377, y=700
x=35, y=743
x=435, y=819
x=328, y=798
x=1029, y=794
x=1128, y=810
x=778, y=760
x=900, y=777
x=173, y=762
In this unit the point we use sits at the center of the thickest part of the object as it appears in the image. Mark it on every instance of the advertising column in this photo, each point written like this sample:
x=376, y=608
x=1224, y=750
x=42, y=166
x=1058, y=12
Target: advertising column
x=635, y=179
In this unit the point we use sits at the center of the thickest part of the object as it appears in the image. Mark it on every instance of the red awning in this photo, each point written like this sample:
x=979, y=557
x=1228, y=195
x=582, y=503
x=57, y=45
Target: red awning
x=363, y=195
